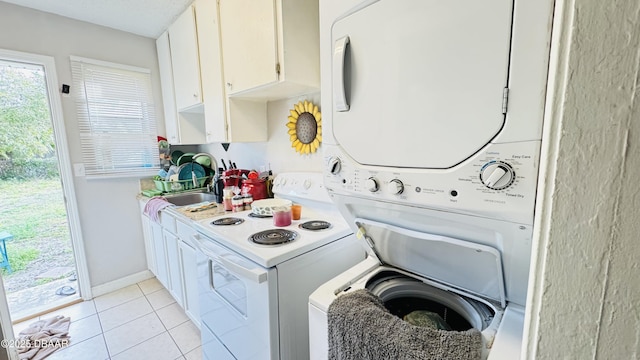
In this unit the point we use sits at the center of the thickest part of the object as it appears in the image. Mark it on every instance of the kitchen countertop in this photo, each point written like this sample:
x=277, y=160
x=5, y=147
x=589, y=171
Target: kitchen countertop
x=182, y=211
x=197, y=215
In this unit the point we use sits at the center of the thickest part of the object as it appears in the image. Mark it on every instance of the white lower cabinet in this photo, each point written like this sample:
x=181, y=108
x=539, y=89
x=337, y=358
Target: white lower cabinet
x=147, y=236
x=173, y=266
x=160, y=254
x=189, y=271
x=171, y=257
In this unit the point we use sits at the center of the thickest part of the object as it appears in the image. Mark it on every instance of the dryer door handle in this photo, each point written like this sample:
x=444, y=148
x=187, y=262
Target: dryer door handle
x=339, y=57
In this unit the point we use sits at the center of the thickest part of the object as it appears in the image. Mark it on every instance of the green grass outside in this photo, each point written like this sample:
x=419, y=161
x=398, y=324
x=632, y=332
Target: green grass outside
x=33, y=211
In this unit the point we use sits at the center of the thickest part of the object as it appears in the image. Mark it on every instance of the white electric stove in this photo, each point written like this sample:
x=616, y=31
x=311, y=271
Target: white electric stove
x=236, y=229
x=253, y=296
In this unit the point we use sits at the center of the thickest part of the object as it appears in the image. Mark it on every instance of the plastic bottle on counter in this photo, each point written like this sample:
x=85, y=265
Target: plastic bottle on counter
x=227, y=202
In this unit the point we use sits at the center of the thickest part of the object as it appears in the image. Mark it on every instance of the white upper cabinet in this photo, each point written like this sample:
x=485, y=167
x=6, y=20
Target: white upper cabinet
x=270, y=48
x=168, y=98
x=183, y=38
x=250, y=45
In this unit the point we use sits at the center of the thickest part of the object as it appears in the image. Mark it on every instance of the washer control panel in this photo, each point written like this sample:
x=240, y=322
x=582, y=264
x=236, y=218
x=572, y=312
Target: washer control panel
x=497, y=175
x=499, y=182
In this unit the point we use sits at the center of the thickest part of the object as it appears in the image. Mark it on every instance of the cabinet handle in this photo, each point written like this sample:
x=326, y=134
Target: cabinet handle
x=339, y=54
x=195, y=95
x=229, y=85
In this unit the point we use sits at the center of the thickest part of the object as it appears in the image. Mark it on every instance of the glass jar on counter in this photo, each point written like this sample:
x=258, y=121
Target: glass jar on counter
x=227, y=200
x=247, y=199
x=238, y=203
x=282, y=216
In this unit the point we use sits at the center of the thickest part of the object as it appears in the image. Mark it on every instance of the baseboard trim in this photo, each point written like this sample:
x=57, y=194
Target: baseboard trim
x=120, y=283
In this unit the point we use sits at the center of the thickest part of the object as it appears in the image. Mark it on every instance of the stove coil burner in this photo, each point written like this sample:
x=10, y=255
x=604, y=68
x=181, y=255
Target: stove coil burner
x=257, y=216
x=315, y=225
x=227, y=221
x=273, y=237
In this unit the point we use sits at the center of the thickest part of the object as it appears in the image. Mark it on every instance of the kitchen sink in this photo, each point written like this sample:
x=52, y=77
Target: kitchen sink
x=190, y=198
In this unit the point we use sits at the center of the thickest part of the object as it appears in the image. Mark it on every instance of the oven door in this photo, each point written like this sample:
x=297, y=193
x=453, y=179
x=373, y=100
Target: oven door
x=238, y=302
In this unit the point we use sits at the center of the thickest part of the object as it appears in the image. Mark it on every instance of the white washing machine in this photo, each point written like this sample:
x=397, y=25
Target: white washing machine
x=432, y=128
x=475, y=276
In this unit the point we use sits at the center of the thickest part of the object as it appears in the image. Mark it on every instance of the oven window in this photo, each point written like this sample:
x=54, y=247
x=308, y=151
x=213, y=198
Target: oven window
x=228, y=287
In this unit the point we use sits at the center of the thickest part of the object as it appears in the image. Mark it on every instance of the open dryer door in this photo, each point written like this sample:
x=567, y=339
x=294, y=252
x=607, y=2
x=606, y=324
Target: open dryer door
x=420, y=83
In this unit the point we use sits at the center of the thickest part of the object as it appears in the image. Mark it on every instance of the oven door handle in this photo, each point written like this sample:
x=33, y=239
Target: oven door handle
x=257, y=275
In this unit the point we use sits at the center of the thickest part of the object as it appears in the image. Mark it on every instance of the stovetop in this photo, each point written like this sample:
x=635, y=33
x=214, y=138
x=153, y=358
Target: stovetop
x=236, y=237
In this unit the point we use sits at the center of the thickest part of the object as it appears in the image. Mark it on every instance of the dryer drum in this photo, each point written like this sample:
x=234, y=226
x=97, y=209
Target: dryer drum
x=402, y=295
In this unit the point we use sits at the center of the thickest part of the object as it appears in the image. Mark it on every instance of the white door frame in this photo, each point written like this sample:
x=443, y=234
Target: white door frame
x=66, y=174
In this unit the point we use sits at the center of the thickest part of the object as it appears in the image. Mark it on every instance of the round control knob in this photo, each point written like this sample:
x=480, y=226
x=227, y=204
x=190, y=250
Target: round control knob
x=335, y=165
x=307, y=184
x=371, y=184
x=497, y=175
x=395, y=187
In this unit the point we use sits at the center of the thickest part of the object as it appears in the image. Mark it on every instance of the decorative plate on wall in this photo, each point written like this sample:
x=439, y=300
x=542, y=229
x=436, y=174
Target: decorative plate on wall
x=305, y=127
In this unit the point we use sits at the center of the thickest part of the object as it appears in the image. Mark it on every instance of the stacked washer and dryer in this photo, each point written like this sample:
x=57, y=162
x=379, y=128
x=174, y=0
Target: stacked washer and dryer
x=432, y=148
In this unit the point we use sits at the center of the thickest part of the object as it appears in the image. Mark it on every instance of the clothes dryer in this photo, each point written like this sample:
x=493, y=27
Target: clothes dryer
x=432, y=129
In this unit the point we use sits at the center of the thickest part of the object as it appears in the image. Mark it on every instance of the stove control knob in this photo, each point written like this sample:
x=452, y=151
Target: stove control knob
x=395, y=187
x=307, y=184
x=497, y=175
x=372, y=184
x=335, y=165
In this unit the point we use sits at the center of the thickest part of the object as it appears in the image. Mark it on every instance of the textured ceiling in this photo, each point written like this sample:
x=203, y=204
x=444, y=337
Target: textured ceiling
x=142, y=17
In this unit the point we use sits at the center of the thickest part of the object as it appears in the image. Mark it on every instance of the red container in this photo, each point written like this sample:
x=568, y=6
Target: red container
x=233, y=177
x=257, y=188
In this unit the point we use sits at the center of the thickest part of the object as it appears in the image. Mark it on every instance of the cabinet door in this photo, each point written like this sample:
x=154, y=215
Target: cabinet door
x=213, y=96
x=161, y=272
x=166, y=79
x=190, y=281
x=173, y=266
x=148, y=238
x=183, y=40
x=249, y=45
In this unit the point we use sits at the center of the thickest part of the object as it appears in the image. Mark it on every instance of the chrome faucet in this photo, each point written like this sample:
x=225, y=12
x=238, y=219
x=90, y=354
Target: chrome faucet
x=213, y=166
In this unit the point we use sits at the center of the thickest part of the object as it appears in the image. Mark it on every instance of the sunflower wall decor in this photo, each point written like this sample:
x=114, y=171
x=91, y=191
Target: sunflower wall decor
x=305, y=127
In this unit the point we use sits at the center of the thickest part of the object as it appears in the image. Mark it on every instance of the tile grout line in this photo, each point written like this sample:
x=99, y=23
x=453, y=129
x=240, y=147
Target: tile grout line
x=105, y=339
x=165, y=327
x=94, y=311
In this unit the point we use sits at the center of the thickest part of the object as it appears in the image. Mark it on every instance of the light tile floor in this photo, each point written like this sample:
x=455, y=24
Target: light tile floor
x=140, y=322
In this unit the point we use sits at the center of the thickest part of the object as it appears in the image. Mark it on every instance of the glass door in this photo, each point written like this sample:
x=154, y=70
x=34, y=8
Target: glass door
x=37, y=256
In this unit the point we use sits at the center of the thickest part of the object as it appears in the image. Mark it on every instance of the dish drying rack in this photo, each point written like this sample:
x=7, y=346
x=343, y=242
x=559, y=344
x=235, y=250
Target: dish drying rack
x=179, y=185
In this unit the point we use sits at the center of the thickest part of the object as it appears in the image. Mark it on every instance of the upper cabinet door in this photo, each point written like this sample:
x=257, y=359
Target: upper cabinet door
x=249, y=46
x=183, y=39
x=166, y=78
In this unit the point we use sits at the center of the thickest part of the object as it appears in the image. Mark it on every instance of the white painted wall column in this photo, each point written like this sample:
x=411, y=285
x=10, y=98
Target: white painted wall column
x=585, y=293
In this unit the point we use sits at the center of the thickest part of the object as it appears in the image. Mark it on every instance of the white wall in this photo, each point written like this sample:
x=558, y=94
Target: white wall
x=585, y=296
x=277, y=151
x=108, y=209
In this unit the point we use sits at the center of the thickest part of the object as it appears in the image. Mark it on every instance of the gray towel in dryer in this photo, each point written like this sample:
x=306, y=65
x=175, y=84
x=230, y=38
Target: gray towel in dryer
x=361, y=328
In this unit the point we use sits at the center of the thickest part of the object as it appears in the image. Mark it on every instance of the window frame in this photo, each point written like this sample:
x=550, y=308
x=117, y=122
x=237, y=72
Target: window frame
x=103, y=141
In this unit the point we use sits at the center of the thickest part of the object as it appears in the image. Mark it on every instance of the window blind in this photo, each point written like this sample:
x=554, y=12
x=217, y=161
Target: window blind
x=116, y=118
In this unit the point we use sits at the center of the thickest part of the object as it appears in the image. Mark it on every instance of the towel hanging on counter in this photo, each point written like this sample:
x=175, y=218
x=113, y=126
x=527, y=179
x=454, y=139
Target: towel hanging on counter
x=153, y=207
x=361, y=328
